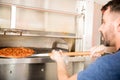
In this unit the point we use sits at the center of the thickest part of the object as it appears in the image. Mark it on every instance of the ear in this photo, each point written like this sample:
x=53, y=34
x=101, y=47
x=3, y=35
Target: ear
x=117, y=24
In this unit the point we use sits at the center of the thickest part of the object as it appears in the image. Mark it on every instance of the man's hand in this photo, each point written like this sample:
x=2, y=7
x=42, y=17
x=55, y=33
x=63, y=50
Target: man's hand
x=57, y=56
x=97, y=51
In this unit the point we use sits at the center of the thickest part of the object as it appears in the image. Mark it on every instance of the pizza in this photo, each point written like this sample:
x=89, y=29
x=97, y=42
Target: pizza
x=16, y=52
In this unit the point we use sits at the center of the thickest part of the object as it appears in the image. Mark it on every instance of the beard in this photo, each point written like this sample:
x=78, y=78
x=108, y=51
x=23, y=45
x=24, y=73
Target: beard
x=105, y=42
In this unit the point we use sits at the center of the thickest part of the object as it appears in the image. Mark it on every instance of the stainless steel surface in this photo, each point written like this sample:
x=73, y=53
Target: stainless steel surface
x=24, y=60
x=30, y=68
x=5, y=31
x=22, y=71
x=27, y=41
x=35, y=41
x=19, y=32
x=33, y=67
x=15, y=70
x=38, y=55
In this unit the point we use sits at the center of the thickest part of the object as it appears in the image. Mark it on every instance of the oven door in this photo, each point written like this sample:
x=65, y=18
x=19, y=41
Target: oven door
x=22, y=71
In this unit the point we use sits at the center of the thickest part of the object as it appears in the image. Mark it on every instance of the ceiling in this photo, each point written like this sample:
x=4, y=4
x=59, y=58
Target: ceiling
x=101, y=1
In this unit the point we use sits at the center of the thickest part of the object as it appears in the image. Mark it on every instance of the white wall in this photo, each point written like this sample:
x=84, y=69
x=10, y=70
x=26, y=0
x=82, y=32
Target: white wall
x=102, y=2
x=87, y=37
x=96, y=24
x=92, y=23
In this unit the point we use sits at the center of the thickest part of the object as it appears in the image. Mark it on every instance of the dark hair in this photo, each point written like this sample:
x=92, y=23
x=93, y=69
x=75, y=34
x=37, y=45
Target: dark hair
x=116, y=6
x=113, y=4
x=106, y=6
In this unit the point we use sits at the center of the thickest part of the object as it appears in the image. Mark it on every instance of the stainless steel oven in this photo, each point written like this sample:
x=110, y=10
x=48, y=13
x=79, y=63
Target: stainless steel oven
x=32, y=67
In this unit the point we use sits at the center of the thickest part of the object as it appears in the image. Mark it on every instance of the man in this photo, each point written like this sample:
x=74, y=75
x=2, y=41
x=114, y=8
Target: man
x=106, y=67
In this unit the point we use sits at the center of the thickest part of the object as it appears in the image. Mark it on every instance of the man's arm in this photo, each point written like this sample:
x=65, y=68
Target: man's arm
x=61, y=67
x=63, y=74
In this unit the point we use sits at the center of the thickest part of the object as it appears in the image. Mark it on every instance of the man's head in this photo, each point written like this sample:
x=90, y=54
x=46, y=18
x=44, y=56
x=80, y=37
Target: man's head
x=110, y=27
x=105, y=7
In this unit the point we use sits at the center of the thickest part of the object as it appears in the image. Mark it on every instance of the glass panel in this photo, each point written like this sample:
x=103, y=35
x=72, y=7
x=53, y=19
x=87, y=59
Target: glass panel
x=5, y=12
x=60, y=23
x=29, y=19
x=30, y=3
x=63, y=5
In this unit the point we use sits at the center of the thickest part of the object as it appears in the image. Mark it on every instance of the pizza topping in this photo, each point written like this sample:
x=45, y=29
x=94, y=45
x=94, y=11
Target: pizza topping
x=16, y=52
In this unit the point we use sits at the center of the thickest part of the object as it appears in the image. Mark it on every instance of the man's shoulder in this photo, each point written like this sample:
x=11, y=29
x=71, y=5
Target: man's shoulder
x=109, y=60
x=101, y=67
x=110, y=57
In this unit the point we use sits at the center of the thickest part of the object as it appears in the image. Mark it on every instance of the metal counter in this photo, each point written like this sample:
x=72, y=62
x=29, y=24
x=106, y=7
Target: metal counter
x=24, y=60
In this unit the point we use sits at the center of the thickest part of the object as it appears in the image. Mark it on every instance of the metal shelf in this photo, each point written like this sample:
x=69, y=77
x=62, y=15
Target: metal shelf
x=20, y=32
x=42, y=9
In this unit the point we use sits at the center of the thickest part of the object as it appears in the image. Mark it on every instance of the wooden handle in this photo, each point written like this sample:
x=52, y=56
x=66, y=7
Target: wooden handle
x=85, y=53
